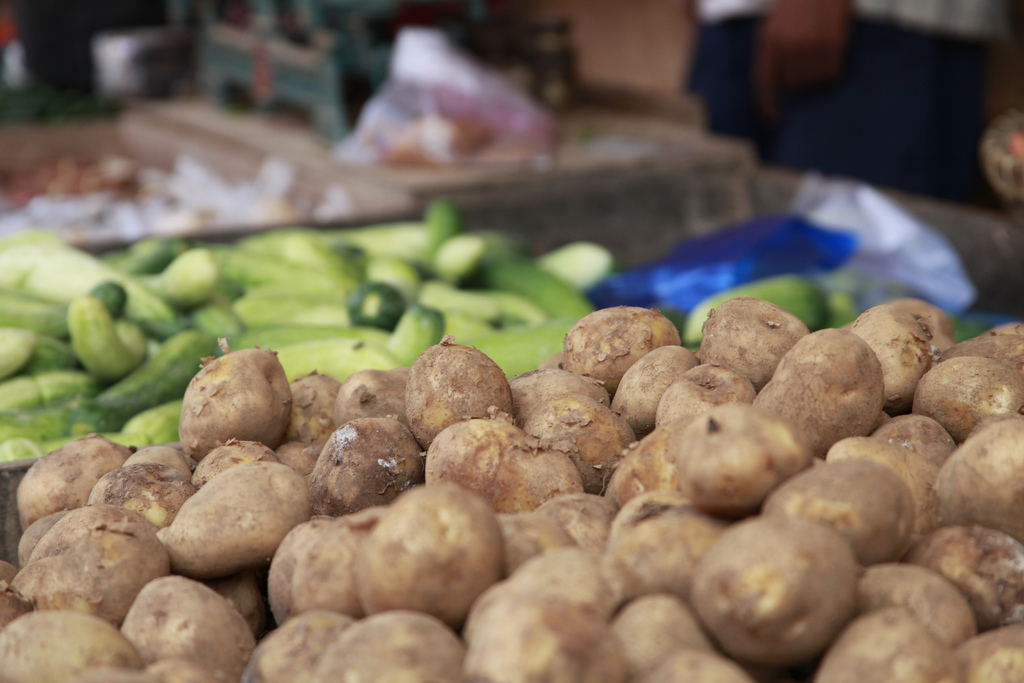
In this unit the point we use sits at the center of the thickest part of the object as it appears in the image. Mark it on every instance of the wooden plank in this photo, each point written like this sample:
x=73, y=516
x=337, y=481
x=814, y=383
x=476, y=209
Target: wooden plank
x=11, y=474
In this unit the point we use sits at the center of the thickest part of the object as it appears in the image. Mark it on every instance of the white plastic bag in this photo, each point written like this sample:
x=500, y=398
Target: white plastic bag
x=441, y=106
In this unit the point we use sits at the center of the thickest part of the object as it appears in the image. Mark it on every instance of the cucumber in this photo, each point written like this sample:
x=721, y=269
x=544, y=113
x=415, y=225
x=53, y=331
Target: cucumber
x=50, y=354
x=217, y=318
x=16, y=349
x=582, y=264
x=30, y=313
x=337, y=358
x=20, y=448
x=263, y=308
x=418, y=328
x=156, y=425
x=376, y=304
x=44, y=389
x=400, y=274
x=330, y=315
x=163, y=377
x=40, y=424
x=550, y=293
x=448, y=299
x=444, y=221
x=189, y=280
x=251, y=269
x=274, y=337
x=113, y=297
x=407, y=241
x=148, y=256
x=520, y=349
x=97, y=343
x=462, y=326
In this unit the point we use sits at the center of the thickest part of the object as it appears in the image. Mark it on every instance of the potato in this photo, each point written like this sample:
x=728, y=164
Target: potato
x=301, y=456
x=367, y=461
x=12, y=604
x=652, y=627
x=643, y=384
x=313, y=400
x=775, y=590
x=589, y=433
x=903, y=345
x=501, y=463
x=50, y=646
x=996, y=656
x=916, y=472
x=449, y=383
x=829, y=384
x=63, y=478
x=228, y=455
x=87, y=521
x=586, y=517
x=242, y=395
x=536, y=640
x=109, y=675
x=1005, y=347
x=605, y=343
x=927, y=595
x=290, y=653
x=393, y=647
x=178, y=670
x=961, y=392
x=7, y=571
x=919, y=434
x=1016, y=327
x=736, y=455
x=658, y=538
x=528, y=534
x=982, y=482
x=237, y=520
x=887, y=644
x=648, y=464
x=164, y=455
x=436, y=550
x=30, y=537
x=939, y=323
x=97, y=567
x=532, y=388
x=153, y=490
x=700, y=389
x=175, y=616
x=697, y=666
x=372, y=393
x=984, y=564
x=296, y=545
x=749, y=336
x=244, y=592
x=865, y=501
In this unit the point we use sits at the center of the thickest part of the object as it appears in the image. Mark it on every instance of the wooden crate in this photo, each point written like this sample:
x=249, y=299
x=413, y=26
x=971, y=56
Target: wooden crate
x=11, y=474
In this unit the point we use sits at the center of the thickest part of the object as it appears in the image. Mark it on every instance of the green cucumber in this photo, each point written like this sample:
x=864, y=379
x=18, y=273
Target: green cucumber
x=163, y=377
x=550, y=293
x=251, y=269
x=462, y=326
x=16, y=348
x=331, y=315
x=47, y=388
x=30, y=313
x=400, y=274
x=112, y=295
x=262, y=308
x=189, y=280
x=276, y=336
x=407, y=241
x=444, y=221
x=39, y=424
x=519, y=349
x=20, y=448
x=582, y=264
x=158, y=424
x=50, y=354
x=337, y=358
x=376, y=304
x=418, y=328
x=448, y=299
x=217, y=318
x=97, y=343
x=148, y=256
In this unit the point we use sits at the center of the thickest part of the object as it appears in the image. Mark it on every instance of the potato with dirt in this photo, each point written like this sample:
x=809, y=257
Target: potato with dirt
x=228, y=455
x=698, y=390
x=996, y=656
x=698, y=666
x=30, y=536
x=590, y=434
x=178, y=670
x=301, y=456
x=1007, y=347
x=153, y=490
x=903, y=345
x=163, y=455
x=367, y=461
x=586, y=517
x=643, y=385
x=919, y=434
x=649, y=464
x=237, y=520
x=241, y=395
x=290, y=653
x=12, y=604
x=749, y=336
x=435, y=550
x=865, y=501
x=604, y=344
x=532, y=388
x=652, y=627
x=501, y=464
x=313, y=400
x=939, y=324
x=528, y=534
x=449, y=383
x=962, y=392
x=63, y=478
x=372, y=393
x=829, y=385
x=245, y=593
x=775, y=591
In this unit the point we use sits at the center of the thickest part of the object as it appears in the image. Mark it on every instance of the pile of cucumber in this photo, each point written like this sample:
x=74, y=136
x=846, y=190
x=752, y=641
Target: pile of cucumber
x=107, y=344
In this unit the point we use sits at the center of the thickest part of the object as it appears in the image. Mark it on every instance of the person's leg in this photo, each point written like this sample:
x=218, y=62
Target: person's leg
x=959, y=119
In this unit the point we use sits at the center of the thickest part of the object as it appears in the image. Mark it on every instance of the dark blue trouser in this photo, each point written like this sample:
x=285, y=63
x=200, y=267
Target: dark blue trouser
x=906, y=113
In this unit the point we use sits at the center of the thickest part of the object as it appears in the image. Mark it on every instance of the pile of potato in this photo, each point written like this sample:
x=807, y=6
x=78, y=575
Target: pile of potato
x=780, y=506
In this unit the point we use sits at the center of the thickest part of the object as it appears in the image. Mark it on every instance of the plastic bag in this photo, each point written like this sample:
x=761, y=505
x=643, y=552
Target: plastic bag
x=441, y=106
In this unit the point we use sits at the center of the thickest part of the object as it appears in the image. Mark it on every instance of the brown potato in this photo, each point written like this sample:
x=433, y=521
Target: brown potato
x=228, y=455
x=393, y=647
x=652, y=627
x=245, y=594
x=313, y=400
x=242, y=395
x=86, y=521
x=648, y=464
x=537, y=386
x=501, y=463
x=449, y=383
x=436, y=550
x=586, y=517
x=29, y=653
x=926, y=594
x=917, y=433
x=553, y=362
x=178, y=670
x=961, y=392
x=30, y=537
x=12, y=604
x=643, y=384
x=63, y=478
x=737, y=455
x=1016, y=327
x=982, y=482
x=605, y=343
x=1005, y=347
x=175, y=616
x=372, y=393
x=939, y=323
x=829, y=384
x=153, y=490
x=887, y=644
x=301, y=456
x=290, y=653
x=7, y=571
x=903, y=345
x=775, y=590
x=749, y=336
x=984, y=564
x=367, y=461
x=528, y=534
x=700, y=389
x=697, y=666
x=110, y=675
x=918, y=473
x=164, y=455
x=865, y=501
x=996, y=656
x=237, y=520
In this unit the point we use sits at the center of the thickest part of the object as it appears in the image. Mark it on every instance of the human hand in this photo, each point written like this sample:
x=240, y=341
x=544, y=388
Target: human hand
x=800, y=44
